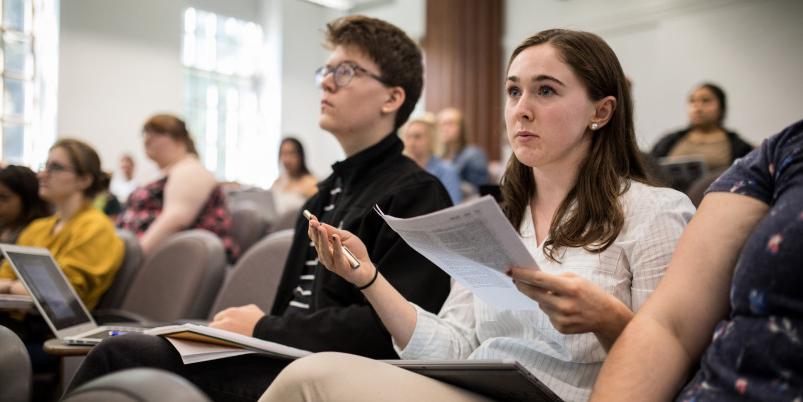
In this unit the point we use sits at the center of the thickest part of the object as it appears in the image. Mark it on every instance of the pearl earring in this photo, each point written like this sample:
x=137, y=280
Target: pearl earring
x=594, y=126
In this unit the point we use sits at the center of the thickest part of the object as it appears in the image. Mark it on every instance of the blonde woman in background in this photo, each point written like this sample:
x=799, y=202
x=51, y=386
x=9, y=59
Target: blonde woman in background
x=468, y=160
x=420, y=137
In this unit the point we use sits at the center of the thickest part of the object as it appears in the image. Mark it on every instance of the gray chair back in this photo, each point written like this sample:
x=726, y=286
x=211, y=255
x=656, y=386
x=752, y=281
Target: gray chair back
x=15, y=368
x=285, y=220
x=179, y=279
x=255, y=278
x=696, y=190
x=248, y=224
x=262, y=199
x=137, y=385
x=132, y=261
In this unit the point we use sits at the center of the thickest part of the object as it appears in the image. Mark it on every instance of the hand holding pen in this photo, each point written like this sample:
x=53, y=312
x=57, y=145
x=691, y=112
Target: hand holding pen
x=341, y=252
x=349, y=255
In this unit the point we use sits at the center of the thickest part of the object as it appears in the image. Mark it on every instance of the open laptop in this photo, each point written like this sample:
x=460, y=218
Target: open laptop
x=682, y=171
x=501, y=380
x=55, y=297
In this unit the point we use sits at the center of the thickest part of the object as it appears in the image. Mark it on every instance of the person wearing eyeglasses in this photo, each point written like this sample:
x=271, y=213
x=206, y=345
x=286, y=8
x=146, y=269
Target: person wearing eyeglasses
x=82, y=240
x=370, y=84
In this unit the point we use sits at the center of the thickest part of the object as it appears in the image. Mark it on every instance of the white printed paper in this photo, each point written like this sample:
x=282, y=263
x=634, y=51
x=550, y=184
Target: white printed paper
x=475, y=244
x=196, y=352
x=197, y=343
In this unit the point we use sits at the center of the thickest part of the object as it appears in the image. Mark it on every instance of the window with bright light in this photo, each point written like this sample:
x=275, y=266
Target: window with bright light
x=27, y=112
x=221, y=91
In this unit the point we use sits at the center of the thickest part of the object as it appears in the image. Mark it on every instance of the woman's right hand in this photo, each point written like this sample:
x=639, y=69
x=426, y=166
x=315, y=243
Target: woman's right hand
x=328, y=241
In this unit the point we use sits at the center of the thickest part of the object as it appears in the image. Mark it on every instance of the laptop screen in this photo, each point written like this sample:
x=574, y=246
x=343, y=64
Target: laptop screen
x=48, y=286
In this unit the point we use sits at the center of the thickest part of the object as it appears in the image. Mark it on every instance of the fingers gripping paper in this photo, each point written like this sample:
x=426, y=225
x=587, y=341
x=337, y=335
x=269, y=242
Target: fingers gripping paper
x=475, y=244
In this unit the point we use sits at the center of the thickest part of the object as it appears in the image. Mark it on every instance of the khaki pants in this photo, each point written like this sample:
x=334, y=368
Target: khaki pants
x=334, y=377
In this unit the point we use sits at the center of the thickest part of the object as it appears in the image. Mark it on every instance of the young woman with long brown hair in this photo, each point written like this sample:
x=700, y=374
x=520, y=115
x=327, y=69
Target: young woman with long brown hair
x=575, y=187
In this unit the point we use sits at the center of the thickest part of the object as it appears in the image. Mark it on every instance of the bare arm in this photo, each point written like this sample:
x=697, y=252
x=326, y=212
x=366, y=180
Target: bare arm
x=186, y=192
x=396, y=313
x=650, y=360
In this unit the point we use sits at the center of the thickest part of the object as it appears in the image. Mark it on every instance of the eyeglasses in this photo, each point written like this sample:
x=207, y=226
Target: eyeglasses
x=343, y=73
x=54, y=167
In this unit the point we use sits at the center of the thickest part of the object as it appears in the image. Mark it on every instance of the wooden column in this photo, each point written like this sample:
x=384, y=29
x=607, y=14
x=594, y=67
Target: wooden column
x=464, y=65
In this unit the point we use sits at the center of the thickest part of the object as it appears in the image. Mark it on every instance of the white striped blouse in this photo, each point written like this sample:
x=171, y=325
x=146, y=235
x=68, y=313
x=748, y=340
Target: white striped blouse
x=467, y=328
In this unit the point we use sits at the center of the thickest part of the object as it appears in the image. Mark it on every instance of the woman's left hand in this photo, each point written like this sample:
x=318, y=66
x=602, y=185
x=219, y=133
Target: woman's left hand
x=241, y=320
x=574, y=305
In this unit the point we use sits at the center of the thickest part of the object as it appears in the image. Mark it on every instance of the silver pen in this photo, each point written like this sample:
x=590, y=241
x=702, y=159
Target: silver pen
x=349, y=256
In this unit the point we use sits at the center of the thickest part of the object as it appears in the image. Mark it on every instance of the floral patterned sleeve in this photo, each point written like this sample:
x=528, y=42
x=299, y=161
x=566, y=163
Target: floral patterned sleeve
x=764, y=172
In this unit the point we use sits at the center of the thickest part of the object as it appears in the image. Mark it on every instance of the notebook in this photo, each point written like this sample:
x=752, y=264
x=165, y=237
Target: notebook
x=501, y=380
x=55, y=297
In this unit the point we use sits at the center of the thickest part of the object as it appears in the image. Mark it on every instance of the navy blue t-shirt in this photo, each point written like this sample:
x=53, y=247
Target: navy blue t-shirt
x=756, y=354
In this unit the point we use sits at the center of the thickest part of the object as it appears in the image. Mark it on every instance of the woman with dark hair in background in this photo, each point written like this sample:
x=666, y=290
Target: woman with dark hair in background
x=705, y=137
x=295, y=182
x=19, y=201
x=187, y=196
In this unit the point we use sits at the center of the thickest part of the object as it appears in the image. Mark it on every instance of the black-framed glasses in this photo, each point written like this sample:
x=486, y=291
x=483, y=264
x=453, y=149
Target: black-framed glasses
x=54, y=167
x=343, y=73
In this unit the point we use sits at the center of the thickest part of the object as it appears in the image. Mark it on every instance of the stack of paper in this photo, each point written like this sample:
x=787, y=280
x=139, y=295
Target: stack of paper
x=198, y=343
x=475, y=244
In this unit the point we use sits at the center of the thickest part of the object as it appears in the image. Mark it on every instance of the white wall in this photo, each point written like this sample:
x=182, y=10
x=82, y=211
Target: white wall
x=120, y=62
x=297, y=28
x=115, y=70
x=753, y=49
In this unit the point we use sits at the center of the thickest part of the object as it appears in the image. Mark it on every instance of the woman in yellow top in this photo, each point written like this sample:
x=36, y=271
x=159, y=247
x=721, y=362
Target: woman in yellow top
x=82, y=239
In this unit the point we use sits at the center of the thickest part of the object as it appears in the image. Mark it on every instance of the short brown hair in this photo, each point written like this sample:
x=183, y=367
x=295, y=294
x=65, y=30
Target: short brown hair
x=613, y=160
x=86, y=162
x=172, y=126
x=397, y=56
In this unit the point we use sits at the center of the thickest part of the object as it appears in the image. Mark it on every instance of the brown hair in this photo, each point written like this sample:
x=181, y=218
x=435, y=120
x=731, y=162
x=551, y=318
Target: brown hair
x=299, y=150
x=172, y=126
x=613, y=160
x=23, y=182
x=85, y=162
x=397, y=56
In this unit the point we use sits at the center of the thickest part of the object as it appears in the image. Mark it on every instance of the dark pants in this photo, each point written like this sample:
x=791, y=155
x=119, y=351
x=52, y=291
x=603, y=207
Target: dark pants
x=239, y=378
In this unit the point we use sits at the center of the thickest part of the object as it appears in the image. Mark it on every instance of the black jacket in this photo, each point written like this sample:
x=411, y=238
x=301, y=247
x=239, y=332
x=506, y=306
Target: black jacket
x=339, y=317
x=739, y=147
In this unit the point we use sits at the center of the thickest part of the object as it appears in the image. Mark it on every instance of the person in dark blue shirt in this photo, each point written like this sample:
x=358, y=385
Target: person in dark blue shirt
x=731, y=297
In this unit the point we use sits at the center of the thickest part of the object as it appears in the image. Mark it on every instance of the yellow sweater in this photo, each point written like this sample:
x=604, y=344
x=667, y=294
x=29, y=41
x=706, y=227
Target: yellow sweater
x=87, y=249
